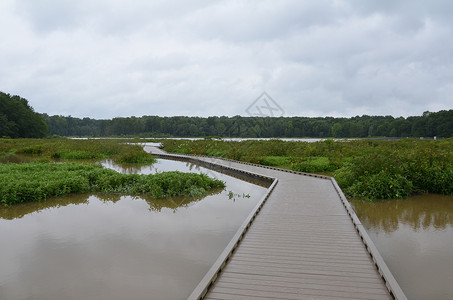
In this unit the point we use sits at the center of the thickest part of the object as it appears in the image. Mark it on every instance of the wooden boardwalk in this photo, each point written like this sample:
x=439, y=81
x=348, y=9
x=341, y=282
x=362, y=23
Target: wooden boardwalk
x=305, y=243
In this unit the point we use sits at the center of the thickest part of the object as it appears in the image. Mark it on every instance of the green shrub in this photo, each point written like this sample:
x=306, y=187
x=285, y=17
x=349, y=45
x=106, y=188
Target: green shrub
x=381, y=186
x=36, y=149
x=280, y=161
x=136, y=156
x=215, y=152
x=76, y=155
x=345, y=176
x=312, y=164
x=433, y=180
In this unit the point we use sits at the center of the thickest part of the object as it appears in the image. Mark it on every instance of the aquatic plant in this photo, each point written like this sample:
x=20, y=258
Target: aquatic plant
x=34, y=181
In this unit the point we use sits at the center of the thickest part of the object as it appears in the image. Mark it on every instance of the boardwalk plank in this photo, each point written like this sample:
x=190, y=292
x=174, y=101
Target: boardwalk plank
x=279, y=271
x=308, y=247
x=265, y=256
x=341, y=291
x=300, y=294
x=302, y=277
x=302, y=262
x=290, y=281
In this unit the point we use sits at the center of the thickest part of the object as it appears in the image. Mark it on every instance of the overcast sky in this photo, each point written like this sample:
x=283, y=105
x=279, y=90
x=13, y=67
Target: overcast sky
x=112, y=58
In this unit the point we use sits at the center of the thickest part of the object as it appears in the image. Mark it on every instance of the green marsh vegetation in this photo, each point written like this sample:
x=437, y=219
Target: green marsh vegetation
x=74, y=150
x=59, y=167
x=365, y=169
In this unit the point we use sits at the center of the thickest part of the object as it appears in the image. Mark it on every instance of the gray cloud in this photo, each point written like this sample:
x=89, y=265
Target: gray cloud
x=315, y=58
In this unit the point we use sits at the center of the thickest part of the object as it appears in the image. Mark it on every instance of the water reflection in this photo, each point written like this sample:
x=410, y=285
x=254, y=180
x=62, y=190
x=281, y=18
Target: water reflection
x=418, y=212
x=164, y=165
x=415, y=238
x=155, y=205
x=20, y=210
x=161, y=165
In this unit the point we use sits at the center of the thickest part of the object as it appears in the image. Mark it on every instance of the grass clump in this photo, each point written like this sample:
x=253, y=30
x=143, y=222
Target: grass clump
x=28, y=182
x=135, y=156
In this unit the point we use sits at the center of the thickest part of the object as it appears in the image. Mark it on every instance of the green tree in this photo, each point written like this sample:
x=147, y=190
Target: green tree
x=19, y=120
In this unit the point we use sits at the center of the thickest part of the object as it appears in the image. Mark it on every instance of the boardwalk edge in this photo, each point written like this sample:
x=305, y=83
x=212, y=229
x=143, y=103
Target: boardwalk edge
x=203, y=287
x=390, y=282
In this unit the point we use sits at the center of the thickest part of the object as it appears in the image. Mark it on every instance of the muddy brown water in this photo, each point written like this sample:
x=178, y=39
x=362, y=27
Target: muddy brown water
x=415, y=238
x=119, y=247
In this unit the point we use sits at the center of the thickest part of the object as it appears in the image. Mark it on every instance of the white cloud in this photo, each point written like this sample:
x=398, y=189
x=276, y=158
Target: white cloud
x=105, y=59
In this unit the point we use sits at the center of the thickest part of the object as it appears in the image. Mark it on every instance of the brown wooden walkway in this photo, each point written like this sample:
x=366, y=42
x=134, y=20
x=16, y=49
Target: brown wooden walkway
x=305, y=243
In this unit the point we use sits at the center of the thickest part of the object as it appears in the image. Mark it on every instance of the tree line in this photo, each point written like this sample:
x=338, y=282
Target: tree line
x=18, y=119
x=430, y=124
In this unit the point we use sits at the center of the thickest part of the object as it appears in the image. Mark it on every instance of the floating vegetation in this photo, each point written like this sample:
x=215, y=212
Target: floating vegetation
x=233, y=196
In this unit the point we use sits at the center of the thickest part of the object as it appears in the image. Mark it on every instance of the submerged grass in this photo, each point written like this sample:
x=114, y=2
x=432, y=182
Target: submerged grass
x=35, y=181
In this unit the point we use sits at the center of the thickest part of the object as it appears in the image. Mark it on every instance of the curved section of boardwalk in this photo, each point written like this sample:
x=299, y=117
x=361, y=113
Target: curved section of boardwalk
x=305, y=243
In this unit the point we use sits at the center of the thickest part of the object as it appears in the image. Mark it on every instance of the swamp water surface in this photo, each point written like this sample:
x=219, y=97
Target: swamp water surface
x=119, y=247
x=415, y=238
